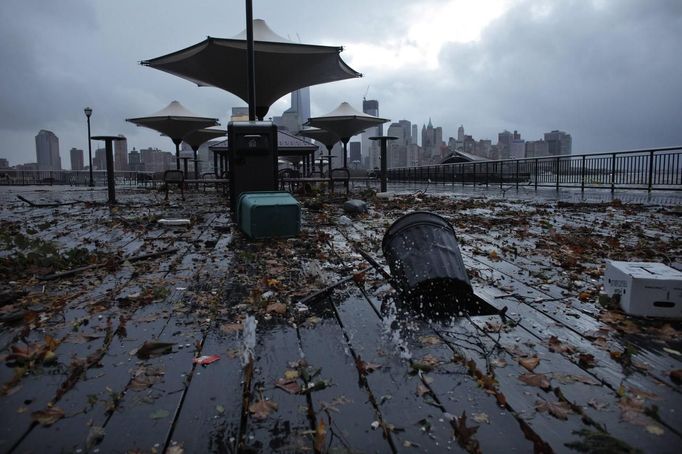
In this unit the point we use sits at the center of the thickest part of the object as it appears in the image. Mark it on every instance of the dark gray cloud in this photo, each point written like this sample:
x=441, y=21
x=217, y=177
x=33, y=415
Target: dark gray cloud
x=606, y=71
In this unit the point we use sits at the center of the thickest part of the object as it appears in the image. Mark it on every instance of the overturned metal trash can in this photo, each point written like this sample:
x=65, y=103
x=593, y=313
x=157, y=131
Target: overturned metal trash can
x=426, y=264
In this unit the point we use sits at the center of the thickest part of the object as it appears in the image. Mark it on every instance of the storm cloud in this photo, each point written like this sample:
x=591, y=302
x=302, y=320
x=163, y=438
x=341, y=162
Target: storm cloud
x=606, y=71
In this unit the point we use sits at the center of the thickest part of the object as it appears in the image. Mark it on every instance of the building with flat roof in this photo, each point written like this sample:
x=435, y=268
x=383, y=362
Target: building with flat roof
x=121, y=154
x=47, y=151
x=76, y=156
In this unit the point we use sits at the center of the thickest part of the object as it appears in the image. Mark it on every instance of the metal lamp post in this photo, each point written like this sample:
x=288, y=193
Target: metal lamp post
x=88, y=112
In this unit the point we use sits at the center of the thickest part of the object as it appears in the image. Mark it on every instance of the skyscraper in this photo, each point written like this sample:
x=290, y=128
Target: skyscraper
x=415, y=134
x=370, y=146
x=293, y=118
x=47, y=151
x=121, y=154
x=460, y=133
x=76, y=156
x=355, y=153
x=558, y=143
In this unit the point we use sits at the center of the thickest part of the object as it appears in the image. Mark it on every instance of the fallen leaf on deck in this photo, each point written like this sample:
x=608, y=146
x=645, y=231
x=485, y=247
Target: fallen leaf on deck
x=277, y=308
x=539, y=380
x=499, y=362
x=676, y=376
x=672, y=351
x=422, y=389
x=426, y=363
x=205, y=360
x=567, y=379
x=176, y=449
x=159, y=414
x=481, y=418
x=597, y=405
x=465, y=435
x=229, y=328
x=430, y=340
x=95, y=435
x=291, y=374
x=152, y=348
x=494, y=256
x=632, y=410
x=555, y=345
x=586, y=360
x=290, y=386
x=261, y=409
x=145, y=377
x=220, y=409
x=366, y=368
x=559, y=410
x=48, y=416
x=654, y=429
x=530, y=363
x=320, y=436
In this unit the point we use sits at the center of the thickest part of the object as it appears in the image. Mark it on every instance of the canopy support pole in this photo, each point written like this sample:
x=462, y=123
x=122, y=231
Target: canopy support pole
x=250, y=61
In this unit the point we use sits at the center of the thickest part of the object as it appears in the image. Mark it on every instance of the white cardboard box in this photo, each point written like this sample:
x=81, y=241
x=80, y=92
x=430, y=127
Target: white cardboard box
x=645, y=288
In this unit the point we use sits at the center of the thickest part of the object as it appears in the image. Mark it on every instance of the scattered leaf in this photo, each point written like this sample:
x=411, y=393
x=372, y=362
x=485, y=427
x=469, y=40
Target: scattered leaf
x=499, y=362
x=559, y=410
x=654, y=429
x=597, y=405
x=205, y=360
x=676, y=376
x=366, y=368
x=291, y=374
x=277, y=308
x=422, y=389
x=48, y=416
x=230, y=328
x=494, y=256
x=320, y=436
x=159, y=414
x=539, y=380
x=481, y=418
x=261, y=409
x=220, y=409
x=290, y=386
x=586, y=360
x=426, y=363
x=465, y=435
x=153, y=348
x=431, y=340
x=530, y=363
x=95, y=435
x=555, y=345
x=567, y=379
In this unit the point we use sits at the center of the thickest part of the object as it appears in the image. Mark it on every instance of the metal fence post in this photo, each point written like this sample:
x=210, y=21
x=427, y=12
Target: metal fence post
x=557, y=174
x=517, y=175
x=582, y=176
x=536, y=174
x=613, y=172
x=651, y=171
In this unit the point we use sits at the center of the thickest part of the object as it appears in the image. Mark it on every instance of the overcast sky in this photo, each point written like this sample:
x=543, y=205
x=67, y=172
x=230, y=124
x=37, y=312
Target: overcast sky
x=608, y=72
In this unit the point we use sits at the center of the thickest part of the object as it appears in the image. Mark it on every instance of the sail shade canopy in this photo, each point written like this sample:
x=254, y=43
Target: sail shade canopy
x=281, y=66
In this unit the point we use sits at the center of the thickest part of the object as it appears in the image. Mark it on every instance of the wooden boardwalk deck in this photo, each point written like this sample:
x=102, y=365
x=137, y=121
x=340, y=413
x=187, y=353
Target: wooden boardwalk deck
x=104, y=360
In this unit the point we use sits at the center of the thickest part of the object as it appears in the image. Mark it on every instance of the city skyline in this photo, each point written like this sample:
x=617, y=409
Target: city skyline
x=603, y=70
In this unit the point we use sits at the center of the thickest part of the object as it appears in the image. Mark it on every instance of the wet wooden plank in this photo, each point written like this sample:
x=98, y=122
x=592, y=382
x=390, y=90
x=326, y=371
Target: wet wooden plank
x=288, y=428
x=208, y=420
x=349, y=415
x=417, y=422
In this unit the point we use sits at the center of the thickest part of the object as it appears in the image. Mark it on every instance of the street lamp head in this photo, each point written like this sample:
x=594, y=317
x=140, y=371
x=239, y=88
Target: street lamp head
x=88, y=112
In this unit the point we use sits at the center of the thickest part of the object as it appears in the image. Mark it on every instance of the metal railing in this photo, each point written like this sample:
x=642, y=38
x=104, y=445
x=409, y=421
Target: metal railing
x=74, y=177
x=649, y=169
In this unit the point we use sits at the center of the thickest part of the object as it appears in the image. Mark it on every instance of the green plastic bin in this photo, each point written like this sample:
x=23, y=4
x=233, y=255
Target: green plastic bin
x=268, y=214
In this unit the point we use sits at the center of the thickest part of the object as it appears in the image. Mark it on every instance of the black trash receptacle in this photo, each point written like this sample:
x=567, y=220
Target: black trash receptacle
x=426, y=264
